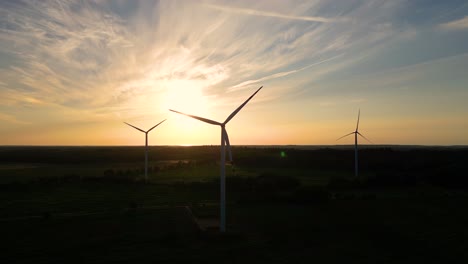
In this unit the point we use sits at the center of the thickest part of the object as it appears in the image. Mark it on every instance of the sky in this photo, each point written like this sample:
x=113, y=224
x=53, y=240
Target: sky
x=71, y=72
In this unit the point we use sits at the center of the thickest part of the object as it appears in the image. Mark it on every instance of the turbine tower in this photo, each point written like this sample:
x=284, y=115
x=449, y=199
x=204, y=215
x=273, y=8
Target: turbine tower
x=224, y=143
x=356, y=133
x=146, y=145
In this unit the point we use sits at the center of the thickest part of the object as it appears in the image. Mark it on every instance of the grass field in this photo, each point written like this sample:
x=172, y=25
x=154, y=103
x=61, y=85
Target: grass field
x=280, y=210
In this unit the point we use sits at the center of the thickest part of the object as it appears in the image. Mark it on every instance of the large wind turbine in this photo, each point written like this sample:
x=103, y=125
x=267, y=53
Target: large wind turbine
x=224, y=142
x=146, y=145
x=356, y=133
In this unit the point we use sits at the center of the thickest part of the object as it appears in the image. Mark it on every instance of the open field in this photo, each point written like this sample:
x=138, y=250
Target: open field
x=285, y=205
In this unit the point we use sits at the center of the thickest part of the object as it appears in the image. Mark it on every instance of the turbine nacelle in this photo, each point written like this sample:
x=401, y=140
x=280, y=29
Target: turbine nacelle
x=356, y=132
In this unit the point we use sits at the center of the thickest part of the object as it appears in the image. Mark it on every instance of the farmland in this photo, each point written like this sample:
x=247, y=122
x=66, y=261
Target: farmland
x=285, y=204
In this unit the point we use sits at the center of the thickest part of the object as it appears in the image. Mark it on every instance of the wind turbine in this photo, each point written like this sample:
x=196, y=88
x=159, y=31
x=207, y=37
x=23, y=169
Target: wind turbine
x=224, y=142
x=356, y=133
x=146, y=145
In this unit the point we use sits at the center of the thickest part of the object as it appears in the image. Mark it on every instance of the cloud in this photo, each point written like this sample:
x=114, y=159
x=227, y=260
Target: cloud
x=253, y=12
x=459, y=24
x=59, y=51
x=279, y=74
x=86, y=55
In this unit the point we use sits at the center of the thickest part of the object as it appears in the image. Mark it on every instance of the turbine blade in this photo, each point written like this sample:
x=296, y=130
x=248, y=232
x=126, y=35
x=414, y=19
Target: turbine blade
x=156, y=125
x=228, y=145
x=359, y=114
x=345, y=135
x=135, y=127
x=240, y=107
x=365, y=138
x=199, y=118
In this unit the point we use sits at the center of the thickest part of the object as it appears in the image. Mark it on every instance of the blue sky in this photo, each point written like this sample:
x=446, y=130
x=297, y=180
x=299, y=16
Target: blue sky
x=72, y=71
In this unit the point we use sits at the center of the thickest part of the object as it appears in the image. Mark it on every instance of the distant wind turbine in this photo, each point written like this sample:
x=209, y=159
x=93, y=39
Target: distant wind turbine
x=224, y=142
x=146, y=145
x=356, y=133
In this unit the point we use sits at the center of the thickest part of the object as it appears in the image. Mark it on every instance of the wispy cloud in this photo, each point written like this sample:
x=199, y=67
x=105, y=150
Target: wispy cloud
x=459, y=24
x=87, y=56
x=59, y=51
x=81, y=54
x=246, y=11
x=108, y=60
x=279, y=74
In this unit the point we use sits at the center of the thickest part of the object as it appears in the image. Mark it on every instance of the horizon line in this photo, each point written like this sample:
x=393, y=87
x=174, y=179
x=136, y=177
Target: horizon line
x=245, y=145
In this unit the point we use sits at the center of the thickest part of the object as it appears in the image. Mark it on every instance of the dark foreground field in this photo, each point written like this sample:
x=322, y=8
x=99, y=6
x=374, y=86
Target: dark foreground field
x=91, y=205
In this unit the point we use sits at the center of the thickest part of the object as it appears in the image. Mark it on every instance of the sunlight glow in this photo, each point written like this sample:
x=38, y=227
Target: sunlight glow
x=185, y=95
x=71, y=72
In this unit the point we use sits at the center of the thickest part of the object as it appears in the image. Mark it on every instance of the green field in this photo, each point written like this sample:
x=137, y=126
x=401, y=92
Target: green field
x=91, y=205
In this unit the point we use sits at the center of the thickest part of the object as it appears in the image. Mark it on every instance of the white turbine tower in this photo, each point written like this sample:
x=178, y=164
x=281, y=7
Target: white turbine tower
x=224, y=142
x=356, y=133
x=146, y=145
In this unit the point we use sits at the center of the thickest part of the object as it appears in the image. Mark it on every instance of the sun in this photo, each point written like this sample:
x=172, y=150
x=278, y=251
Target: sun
x=186, y=95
